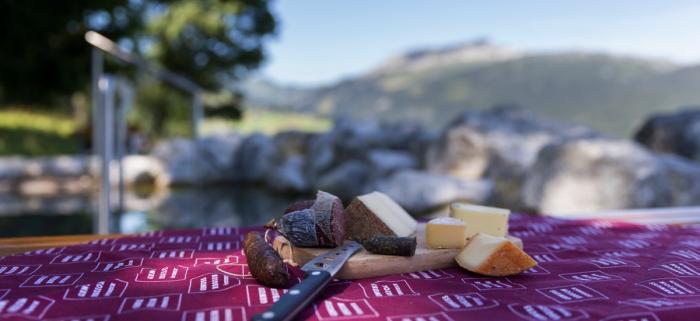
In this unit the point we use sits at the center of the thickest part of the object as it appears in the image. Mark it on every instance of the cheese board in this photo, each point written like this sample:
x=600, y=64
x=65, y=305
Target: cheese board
x=366, y=265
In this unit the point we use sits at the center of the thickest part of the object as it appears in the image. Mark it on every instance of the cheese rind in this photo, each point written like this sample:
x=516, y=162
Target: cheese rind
x=446, y=233
x=377, y=214
x=493, y=256
x=482, y=219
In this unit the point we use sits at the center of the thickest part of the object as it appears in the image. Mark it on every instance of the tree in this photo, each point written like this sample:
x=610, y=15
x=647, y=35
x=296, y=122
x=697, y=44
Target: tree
x=43, y=55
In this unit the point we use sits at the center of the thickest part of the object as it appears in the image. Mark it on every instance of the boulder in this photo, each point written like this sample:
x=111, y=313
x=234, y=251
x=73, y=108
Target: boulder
x=289, y=176
x=420, y=191
x=291, y=143
x=255, y=158
x=684, y=179
x=676, y=133
x=353, y=137
x=320, y=156
x=596, y=174
x=219, y=151
x=12, y=168
x=346, y=181
x=512, y=134
x=385, y=161
x=501, y=145
x=208, y=160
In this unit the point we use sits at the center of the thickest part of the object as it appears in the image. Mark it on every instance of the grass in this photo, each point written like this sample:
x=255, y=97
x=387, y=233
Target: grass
x=36, y=133
x=269, y=122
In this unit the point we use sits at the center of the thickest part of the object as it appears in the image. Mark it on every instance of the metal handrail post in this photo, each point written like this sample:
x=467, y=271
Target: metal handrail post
x=97, y=68
x=197, y=115
x=106, y=89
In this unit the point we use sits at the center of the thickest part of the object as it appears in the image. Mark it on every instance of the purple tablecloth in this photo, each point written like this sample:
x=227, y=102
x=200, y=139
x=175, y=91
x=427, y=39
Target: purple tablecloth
x=587, y=271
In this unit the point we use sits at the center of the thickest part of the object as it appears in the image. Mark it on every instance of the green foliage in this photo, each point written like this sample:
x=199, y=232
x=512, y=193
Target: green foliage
x=210, y=40
x=37, y=134
x=44, y=55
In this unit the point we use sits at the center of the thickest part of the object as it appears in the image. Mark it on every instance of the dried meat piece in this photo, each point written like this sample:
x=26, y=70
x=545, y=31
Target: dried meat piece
x=316, y=223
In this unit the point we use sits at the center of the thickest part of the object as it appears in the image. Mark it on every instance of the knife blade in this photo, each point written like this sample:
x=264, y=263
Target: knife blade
x=319, y=272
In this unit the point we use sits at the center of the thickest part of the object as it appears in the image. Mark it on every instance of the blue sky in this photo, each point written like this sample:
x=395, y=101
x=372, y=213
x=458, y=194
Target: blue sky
x=325, y=40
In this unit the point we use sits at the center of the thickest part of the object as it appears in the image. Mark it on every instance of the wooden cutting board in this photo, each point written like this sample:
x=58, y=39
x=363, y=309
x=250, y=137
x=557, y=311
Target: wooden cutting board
x=365, y=265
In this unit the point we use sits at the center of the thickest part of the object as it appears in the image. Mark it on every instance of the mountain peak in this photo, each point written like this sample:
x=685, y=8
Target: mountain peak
x=474, y=51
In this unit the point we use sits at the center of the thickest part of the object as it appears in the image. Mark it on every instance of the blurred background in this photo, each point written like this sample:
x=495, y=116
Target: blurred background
x=134, y=115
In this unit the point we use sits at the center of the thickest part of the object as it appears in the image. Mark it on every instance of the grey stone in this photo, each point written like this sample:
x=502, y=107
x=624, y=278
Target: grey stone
x=684, y=179
x=420, y=191
x=289, y=176
x=255, y=158
x=320, y=156
x=501, y=145
x=385, y=161
x=677, y=133
x=183, y=165
x=587, y=175
x=208, y=160
x=291, y=143
x=346, y=181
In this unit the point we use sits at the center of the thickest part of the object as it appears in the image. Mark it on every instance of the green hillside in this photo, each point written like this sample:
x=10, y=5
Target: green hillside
x=609, y=93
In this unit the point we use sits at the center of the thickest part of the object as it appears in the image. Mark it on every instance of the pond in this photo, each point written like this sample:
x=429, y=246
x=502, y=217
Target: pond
x=173, y=209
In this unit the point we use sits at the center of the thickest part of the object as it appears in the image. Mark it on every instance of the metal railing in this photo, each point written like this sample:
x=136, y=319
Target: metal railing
x=109, y=130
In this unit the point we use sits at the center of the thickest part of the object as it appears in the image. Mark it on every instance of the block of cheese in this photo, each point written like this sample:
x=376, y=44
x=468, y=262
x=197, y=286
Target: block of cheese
x=516, y=241
x=446, y=233
x=377, y=214
x=493, y=256
x=482, y=219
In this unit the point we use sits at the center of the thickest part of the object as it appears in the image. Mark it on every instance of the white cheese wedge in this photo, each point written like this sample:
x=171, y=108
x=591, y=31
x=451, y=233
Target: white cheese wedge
x=482, y=219
x=377, y=214
x=493, y=256
x=516, y=241
x=446, y=233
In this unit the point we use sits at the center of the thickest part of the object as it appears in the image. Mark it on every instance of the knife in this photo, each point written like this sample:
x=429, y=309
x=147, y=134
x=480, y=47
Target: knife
x=319, y=272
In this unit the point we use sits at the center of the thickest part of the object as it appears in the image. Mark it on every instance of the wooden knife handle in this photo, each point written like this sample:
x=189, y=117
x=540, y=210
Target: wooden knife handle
x=297, y=298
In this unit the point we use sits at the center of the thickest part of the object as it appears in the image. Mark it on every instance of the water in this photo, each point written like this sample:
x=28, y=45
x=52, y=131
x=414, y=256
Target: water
x=163, y=210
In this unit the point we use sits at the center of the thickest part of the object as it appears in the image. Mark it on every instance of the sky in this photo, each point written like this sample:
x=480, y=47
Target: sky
x=321, y=41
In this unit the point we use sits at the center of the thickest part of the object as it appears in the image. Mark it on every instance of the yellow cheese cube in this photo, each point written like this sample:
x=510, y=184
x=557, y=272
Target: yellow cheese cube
x=482, y=219
x=446, y=233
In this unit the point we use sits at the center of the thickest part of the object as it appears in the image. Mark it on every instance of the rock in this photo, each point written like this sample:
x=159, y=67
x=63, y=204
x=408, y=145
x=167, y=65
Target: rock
x=462, y=152
x=500, y=145
x=512, y=134
x=219, y=151
x=320, y=156
x=183, y=165
x=352, y=137
x=208, y=160
x=684, y=179
x=289, y=176
x=12, y=168
x=597, y=174
x=384, y=161
x=677, y=133
x=15, y=168
x=420, y=191
x=141, y=169
x=65, y=166
x=291, y=143
x=346, y=181
x=255, y=158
